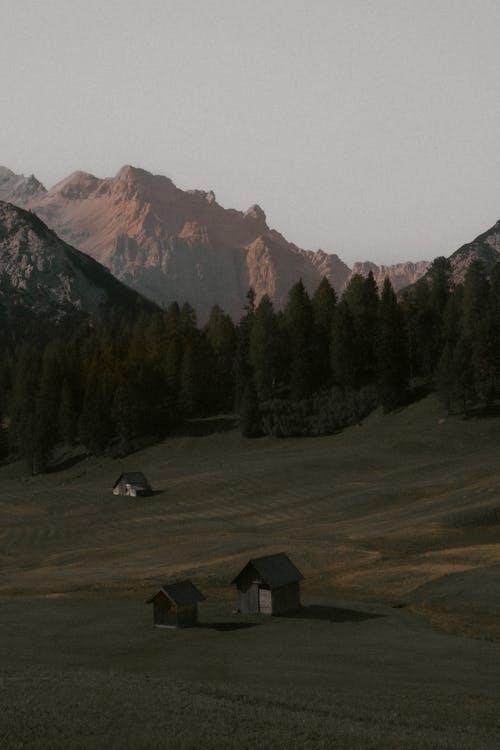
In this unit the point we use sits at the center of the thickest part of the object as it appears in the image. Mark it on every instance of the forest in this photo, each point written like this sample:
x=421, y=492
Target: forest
x=319, y=364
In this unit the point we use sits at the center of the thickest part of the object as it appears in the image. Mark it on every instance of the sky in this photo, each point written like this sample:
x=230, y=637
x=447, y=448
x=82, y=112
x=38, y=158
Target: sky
x=369, y=128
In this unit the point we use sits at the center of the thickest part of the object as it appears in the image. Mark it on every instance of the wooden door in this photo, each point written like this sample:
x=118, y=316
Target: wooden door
x=265, y=601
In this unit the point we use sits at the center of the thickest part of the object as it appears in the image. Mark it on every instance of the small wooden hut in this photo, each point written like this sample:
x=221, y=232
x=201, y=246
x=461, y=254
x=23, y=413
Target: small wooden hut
x=270, y=585
x=132, y=483
x=175, y=605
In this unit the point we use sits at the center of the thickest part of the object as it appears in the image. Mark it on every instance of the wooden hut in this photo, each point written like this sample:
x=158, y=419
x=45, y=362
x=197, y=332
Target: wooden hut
x=132, y=483
x=175, y=605
x=269, y=584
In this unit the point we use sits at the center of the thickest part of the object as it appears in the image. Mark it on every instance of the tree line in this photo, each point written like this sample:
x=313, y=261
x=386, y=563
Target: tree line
x=317, y=365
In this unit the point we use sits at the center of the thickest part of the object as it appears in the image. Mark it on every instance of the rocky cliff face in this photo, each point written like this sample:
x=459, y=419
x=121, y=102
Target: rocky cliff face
x=44, y=278
x=171, y=244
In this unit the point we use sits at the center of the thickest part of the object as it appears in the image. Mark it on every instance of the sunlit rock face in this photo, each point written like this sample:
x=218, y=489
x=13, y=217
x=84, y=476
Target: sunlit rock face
x=172, y=244
x=400, y=275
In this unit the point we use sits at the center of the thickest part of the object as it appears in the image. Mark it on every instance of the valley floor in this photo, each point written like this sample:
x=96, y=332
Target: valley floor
x=395, y=526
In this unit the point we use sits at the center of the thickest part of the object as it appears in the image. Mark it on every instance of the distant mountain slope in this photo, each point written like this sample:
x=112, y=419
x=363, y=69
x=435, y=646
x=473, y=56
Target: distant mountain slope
x=43, y=280
x=400, y=274
x=485, y=247
x=171, y=244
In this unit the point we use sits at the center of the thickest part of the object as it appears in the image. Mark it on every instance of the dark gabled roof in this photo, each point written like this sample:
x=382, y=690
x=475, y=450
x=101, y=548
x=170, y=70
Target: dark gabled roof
x=275, y=570
x=135, y=478
x=181, y=592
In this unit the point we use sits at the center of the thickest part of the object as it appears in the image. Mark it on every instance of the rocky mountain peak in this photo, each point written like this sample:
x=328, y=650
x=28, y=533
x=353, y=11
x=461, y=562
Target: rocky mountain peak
x=141, y=177
x=208, y=196
x=255, y=212
x=75, y=187
x=17, y=188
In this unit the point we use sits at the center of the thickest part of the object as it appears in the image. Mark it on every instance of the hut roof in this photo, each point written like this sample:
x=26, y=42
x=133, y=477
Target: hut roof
x=135, y=479
x=180, y=593
x=276, y=570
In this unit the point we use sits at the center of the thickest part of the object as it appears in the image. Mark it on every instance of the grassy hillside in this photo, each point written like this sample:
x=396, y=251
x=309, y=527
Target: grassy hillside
x=400, y=510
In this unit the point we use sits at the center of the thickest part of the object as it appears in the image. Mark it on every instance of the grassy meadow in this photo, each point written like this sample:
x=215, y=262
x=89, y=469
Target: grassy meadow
x=394, y=523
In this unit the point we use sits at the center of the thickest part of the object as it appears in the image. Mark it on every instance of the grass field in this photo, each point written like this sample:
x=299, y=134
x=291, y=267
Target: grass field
x=395, y=525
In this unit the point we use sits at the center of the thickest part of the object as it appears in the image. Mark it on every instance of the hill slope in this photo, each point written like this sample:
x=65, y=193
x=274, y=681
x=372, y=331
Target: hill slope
x=44, y=281
x=485, y=247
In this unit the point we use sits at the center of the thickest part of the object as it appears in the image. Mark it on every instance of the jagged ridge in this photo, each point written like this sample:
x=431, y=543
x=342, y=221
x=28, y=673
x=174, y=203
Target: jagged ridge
x=171, y=244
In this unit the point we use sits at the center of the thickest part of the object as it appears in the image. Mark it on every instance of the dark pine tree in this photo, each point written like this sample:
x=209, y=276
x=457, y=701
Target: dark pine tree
x=242, y=367
x=344, y=347
x=476, y=330
x=47, y=407
x=249, y=412
x=361, y=296
x=392, y=351
x=67, y=415
x=324, y=302
x=265, y=351
x=299, y=324
x=96, y=425
x=221, y=338
x=22, y=412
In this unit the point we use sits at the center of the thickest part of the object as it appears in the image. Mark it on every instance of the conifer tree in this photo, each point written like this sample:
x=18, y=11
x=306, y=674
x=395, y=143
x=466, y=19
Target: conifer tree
x=242, y=368
x=476, y=329
x=265, y=349
x=361, y=296
x=47, y=408
x=249, y=412
x=95, y=425
x=190, y=382
x=221, y=338
x=298, y=318
x=324, y=302
x=344, y=348
x=67, y=415
x=392, y=351
x=22, y=432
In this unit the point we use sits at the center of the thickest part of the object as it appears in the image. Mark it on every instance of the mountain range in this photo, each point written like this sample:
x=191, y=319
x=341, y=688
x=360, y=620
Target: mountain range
x=170, y=244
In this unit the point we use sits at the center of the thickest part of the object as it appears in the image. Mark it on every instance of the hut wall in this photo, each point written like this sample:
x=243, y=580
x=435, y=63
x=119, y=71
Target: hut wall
x=286, y=599
x=187, y=616
x=164, y=613
x=249, y=599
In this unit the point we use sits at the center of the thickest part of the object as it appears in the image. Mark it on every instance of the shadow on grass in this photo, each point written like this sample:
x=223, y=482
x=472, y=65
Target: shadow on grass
x=66, y=463
x=333, y=614
x=207, y=426
x=227, y=626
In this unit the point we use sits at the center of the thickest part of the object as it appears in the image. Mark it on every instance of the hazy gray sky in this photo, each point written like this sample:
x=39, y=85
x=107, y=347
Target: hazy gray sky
x=370, y=128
